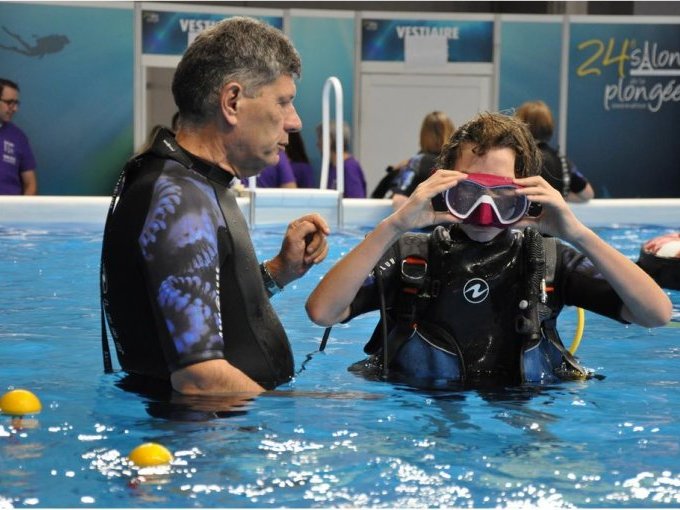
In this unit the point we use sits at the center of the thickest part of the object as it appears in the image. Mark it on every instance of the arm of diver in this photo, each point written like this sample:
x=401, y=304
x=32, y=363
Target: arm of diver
x=329, y=302
x=645, y=303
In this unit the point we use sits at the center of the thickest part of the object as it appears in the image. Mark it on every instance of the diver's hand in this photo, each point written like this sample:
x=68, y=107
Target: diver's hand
x=304, y=244
x=556, y=218
x=417, y=211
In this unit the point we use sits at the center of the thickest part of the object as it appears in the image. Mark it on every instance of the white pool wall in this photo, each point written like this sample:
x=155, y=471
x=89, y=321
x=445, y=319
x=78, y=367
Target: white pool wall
x=280, y=206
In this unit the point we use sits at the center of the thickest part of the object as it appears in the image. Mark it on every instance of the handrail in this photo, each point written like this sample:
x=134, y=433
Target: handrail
x=326, y=141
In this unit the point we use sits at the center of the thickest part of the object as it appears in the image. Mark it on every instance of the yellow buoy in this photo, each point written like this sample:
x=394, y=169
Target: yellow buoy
x=20, y=402
x=150, y=454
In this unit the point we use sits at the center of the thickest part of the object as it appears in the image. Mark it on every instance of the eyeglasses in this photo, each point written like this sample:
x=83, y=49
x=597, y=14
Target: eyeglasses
x=11, y=102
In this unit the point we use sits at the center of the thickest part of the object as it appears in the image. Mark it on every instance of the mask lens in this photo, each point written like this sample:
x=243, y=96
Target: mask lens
x=462, y=199
x=509, y=206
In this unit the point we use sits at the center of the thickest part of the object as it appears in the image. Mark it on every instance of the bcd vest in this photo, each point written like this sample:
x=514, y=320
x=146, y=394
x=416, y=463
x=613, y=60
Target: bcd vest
x=469, y=312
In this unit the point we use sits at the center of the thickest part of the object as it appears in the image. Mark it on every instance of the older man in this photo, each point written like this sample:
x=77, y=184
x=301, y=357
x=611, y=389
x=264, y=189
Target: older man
x=182, y=290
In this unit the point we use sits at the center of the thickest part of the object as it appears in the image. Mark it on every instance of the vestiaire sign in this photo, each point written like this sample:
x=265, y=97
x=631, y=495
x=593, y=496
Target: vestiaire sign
x=170, y=33
x=391, y=40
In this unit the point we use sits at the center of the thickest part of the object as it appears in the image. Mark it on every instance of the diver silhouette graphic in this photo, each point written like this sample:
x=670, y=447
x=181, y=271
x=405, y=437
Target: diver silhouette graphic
x=476, y=290
x=43, y=45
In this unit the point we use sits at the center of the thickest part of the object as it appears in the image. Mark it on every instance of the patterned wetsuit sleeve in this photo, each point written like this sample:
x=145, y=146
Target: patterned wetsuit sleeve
x=179, y=249
x=368, y=299
x=580, y=284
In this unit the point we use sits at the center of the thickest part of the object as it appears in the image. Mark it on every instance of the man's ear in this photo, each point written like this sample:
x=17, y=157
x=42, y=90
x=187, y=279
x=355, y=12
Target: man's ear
x=230, y=99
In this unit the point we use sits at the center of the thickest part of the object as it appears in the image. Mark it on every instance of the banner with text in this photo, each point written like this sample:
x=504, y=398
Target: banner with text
x=170, y=33
x=427, y=41
x=624, y=107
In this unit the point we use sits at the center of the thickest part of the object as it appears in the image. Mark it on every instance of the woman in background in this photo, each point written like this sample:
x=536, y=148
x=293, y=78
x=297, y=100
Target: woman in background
x=561, y=173
x=435, y=131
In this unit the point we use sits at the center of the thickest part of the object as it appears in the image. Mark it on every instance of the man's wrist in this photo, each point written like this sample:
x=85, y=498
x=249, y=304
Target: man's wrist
x=270, y=284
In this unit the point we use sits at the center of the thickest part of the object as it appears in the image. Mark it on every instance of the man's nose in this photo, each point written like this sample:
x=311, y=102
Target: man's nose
x=293, y=122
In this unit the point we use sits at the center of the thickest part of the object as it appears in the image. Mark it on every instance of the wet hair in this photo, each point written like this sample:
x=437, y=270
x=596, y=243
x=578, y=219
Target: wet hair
x=435, y=131
x=239, y=49
x=8, y=83
x=346, y=134
x=494, y=131
x=538, y=116
x=295, y=150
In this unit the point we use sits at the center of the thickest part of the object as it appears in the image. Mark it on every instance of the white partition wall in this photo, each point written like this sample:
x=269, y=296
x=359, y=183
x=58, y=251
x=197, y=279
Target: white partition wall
x=390, y=123
x=410, y=66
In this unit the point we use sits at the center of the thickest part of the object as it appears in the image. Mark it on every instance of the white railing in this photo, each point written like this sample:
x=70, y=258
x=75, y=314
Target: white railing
x=276, y=206
x=334, y=83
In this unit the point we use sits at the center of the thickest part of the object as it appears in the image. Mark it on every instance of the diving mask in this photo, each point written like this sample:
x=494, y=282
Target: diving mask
x=486, y=200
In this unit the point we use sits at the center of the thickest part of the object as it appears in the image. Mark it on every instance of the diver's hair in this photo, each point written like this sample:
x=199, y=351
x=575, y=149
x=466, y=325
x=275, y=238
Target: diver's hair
x=494, y=131
x=346, y=135
x=538, y=116
x=435, y=131
x=240, y=49
x=8, y=83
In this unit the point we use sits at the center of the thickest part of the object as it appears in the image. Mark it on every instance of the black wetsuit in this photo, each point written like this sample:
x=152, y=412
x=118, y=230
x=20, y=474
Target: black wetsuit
x=466, y=327
x=418, y=169
x=561, y=173
x=182, y=284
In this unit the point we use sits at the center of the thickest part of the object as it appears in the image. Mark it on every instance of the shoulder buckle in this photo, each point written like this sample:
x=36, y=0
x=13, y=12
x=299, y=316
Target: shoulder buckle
x=414, y=270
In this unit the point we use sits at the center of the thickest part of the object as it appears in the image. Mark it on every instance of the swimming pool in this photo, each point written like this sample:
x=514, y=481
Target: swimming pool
x=331, y=439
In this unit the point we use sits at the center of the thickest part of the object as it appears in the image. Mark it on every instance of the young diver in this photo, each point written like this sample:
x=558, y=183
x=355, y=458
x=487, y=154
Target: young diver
x=476, y=301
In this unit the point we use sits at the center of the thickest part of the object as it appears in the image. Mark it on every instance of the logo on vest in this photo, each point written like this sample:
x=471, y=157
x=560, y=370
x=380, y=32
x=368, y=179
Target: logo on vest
x=476, y=291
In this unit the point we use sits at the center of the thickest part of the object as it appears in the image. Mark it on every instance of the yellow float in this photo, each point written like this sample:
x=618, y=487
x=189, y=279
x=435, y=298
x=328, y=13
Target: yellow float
x=20, y=402
x=150, y=454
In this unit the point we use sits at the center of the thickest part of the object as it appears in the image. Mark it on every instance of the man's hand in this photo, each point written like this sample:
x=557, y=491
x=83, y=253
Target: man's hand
x=304, y=244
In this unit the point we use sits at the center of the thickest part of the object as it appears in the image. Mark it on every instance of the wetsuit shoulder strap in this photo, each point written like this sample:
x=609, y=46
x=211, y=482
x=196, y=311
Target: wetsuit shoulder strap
x=550, y=249
x=416, y=269
x=570, y=368
x=417, y=283
x=414, y=252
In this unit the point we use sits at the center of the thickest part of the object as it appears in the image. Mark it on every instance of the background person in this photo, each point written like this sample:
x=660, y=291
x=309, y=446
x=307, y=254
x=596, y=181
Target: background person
x=17, y=166
x=561, y=173
x=468, y=303
x=355, y=181
x=435, y=131
x=302, y=168
x=279, y=175
x=185, y=298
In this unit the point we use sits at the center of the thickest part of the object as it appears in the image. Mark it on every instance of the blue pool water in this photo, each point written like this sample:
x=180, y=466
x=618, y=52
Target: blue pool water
x=330, y=439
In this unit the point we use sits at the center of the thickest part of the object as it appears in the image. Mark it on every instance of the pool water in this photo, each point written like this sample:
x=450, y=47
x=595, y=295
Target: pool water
x=329, y=438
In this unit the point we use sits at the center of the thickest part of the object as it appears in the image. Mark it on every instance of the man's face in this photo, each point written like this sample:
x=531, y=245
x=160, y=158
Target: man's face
x=264, y=122
x=9, y=103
